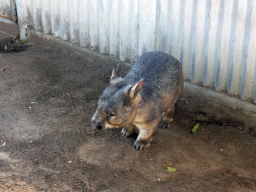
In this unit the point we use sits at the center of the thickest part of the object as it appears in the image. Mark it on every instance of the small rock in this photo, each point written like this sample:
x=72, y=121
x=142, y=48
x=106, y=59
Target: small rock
x=185, y=101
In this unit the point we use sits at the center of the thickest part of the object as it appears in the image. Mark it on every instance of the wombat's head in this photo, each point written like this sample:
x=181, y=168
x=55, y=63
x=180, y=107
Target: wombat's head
x=118, y=103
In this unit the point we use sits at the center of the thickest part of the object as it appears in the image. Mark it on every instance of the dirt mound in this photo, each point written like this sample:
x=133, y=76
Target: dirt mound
x=12, y=45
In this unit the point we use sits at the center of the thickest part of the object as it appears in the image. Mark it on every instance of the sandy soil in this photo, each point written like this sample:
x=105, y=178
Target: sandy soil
x=47, y=143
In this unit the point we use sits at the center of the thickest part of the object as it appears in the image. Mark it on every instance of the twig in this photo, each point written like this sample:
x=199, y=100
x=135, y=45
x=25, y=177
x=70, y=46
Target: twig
x=3, y=69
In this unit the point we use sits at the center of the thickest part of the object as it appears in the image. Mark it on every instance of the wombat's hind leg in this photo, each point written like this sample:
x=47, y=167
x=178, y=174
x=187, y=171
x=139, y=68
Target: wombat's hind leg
x=167, y=119
x=128, y=130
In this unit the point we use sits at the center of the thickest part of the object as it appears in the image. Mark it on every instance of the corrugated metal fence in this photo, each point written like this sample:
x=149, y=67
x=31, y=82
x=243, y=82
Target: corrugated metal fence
x=7, y=8
x=215, y=40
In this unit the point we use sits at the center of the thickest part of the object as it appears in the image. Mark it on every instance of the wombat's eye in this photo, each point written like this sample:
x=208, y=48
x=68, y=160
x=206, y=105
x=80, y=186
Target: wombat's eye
x=109, y=115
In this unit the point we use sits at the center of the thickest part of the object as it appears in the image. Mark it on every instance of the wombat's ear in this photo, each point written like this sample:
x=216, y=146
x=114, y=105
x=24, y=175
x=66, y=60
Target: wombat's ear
x=135, y=89
x=115, y=72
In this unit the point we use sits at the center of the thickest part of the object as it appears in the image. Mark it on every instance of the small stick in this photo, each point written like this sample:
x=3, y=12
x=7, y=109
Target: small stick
x=3, y=69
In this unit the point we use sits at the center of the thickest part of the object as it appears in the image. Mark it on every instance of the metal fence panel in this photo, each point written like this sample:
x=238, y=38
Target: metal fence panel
x=214, y=39
x=7, y=9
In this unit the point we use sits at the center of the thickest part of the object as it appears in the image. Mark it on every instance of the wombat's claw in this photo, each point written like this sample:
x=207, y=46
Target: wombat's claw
x=125, y=133
x=164, y=125
x=140, y=145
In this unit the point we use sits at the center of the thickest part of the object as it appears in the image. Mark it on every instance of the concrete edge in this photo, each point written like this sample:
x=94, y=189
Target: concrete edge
x=225, y=100
x=6, y=20
x=9, y=27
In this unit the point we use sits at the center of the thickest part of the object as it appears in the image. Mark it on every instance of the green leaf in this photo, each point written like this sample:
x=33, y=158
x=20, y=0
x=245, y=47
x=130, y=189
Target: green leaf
x=5, y=47
x=195, y=128
x=171, y=169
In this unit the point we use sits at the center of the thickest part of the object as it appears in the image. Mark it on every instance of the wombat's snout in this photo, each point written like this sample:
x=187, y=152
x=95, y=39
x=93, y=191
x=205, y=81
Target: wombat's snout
x=96, y=124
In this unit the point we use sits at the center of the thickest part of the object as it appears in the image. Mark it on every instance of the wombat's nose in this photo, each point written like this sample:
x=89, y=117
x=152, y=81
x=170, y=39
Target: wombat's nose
x=96, y=124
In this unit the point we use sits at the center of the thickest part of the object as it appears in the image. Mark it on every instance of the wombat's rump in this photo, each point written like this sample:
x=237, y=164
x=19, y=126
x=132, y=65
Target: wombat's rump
x=144, y=99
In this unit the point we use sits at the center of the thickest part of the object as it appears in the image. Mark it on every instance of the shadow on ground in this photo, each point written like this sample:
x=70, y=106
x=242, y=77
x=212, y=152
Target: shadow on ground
x=47, y=143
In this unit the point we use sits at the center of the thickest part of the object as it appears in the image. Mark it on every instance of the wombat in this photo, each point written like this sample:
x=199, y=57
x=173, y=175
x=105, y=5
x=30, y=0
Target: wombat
x=143, y=100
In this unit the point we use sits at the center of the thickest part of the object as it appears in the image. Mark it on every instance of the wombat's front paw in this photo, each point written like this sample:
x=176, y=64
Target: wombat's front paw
x=125, y=133
x=142, y=144
x=163, y=125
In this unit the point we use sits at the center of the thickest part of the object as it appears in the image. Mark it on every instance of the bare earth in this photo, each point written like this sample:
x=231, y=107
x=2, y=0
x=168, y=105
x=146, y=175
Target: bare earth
x=47, y=142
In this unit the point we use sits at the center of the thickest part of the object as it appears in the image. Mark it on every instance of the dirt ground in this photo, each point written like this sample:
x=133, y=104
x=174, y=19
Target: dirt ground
x=47, y=142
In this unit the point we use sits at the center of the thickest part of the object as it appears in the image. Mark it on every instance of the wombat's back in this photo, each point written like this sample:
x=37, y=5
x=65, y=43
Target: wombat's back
x=161, y=73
